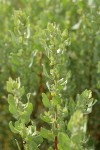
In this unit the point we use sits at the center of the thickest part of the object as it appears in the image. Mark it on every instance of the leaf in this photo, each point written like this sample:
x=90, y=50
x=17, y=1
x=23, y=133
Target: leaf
x=47, y=134
x=22, y=91
x=31, y=146
x=25, y=116
x=56, y=100
x=38, y=139
x=85, y=102
x=12, y=128
x=11, y=100
x=45, y=118
x=9, y=85
x=32, y=58
x=29, y=108
x=76, y=122
x=64, y=141
x=45, y=72
x=18, y=125
x=13, y=110
x=77, y=25
x=45, y=100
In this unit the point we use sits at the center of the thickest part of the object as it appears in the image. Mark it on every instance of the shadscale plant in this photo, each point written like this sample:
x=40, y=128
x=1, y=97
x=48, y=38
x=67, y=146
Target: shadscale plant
x=66, y=119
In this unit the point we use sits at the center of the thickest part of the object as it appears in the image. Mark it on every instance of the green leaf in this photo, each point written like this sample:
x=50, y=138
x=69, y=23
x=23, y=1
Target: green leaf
x=45, y=72
x=31, y=146
x=12, y=128
x=77, y=25
x=76, y=122
x=13, y=110
x=9, y=85
x=25, y=116
x=64, y=141
x=11, y=100
x=22, y=91
x=45, y=118
x=29, y=108
x=45, y=100
x=47, y=134
x=56, y=100
x=38, y=139
x=18, y=125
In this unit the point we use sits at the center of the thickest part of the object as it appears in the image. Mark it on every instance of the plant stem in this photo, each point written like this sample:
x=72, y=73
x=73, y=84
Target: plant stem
x=56, y=139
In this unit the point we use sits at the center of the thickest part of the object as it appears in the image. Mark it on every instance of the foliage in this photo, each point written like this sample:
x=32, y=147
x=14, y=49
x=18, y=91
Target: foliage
x=21, y=112
x=65, y=133
x=53, y=47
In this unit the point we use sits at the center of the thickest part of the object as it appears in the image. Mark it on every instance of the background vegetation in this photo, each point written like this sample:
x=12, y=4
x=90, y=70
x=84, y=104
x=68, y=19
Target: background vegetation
x=22, y=54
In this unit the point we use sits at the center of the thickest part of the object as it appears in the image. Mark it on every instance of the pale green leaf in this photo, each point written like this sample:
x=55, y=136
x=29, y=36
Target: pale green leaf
x=47, y=134
x=64, y=141
x=12, y=128
x=45, y=100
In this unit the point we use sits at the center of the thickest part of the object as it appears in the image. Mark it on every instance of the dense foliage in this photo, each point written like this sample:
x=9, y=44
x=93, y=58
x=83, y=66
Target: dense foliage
x=50, y=50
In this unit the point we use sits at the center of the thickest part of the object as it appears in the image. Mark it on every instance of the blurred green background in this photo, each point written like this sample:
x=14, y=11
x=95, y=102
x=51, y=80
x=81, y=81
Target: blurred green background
x=22, y=56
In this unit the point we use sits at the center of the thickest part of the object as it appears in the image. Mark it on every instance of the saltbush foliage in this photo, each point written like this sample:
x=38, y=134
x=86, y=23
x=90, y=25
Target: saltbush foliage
x=64, y=133
x=50, y=50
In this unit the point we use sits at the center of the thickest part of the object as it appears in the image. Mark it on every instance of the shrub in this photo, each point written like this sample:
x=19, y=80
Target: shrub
x=28, y=51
